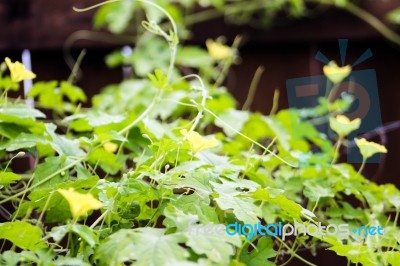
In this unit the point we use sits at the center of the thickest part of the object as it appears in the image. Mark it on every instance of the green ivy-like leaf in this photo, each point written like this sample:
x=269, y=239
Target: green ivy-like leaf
x=7, y=178
x=261, y=253
x=22, y=234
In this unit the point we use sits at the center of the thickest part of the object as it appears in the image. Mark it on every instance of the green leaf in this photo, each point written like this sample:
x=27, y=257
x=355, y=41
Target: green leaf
x=260, y=254
x=235, y=196
x=217, y=248
x=394, y=16
x=23, y=141
x=7, y=83
x=108, y=161
x=116, y=15
x=116, y=249
x=232, y=119
x=58, y=232
x=22, y=234
x=315, y=190
x=63, y=145
x=115, y=59
x=96, y=118
x=85, y=233
x=146, y=246
x=392, y=257
x=255, y=128
x=47, y=168
x=19, y=111
x=49, y=95
x=9, y=258
x=392, y=194
x=158, y=79
x=73, y=93
x=356, y=254
x=192, y=56
x=153, y=247
x=243, y=208
x=292, y=209
x=7, y=178
x=10, y=131
x=38, y=257
x=130, y=211
x=147, y=57
x=343, y=126
x=63, y=261
x=198, y=181
x=200, y=206
x=369, y=148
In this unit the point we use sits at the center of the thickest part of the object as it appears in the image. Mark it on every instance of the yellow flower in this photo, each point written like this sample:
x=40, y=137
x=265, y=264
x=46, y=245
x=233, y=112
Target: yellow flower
x=80, y=204
x=343, y=126
x=197, y=142
x=110, y=147
x=335, y=73
x=18, y=71
x=217, y=50
x=369, y=148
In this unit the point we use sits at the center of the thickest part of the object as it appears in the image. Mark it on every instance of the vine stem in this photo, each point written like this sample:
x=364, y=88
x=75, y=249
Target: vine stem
x=253, y=88
x=101, y=217
x=143, y=1
x=349, y=7
x=336, y=154
x=294, y=253
x=366, y=17
x=173, y=43
x=275, y=102
x=75, y=68
x=249, y=139
x=361, y=167
x=227, y=63
x=204, y=96
x=136, y=121
x=373, y=21
x=44, y=180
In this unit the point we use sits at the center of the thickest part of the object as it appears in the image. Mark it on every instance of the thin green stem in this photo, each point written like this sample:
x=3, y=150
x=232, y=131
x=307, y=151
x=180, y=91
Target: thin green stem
x=202, y=105
x=249, y=139
x=101, y=217
x=253, y=88
x=361, y=167
x=44, y=180
x=373, y=22
x=336, y=154
x=174, y=27
x=39, y=220
x=227, y=64
x=76, y=67
x=365, y=16
x=294, y=253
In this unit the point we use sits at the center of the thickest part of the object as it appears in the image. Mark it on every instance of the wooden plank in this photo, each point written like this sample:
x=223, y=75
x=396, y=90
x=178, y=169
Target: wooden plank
x=46, y=24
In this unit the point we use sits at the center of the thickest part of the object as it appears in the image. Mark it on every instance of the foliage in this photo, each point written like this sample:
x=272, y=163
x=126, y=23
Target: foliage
x=122, y=181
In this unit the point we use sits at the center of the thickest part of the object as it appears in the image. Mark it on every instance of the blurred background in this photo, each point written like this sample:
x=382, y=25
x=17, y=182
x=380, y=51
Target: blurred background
x=275, y=35
x=283, y=38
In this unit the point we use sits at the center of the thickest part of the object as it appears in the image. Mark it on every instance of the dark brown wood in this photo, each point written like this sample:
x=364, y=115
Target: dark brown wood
x=46, y=24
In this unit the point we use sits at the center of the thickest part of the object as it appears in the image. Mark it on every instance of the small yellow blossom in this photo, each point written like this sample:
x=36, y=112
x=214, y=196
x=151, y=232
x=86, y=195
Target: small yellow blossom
x=18, y=71
x=335, y=73
x=217, y=50
x=80, y=204
x=197, y=142
x=110, y=147
x=343, y=126
x=369, y=148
